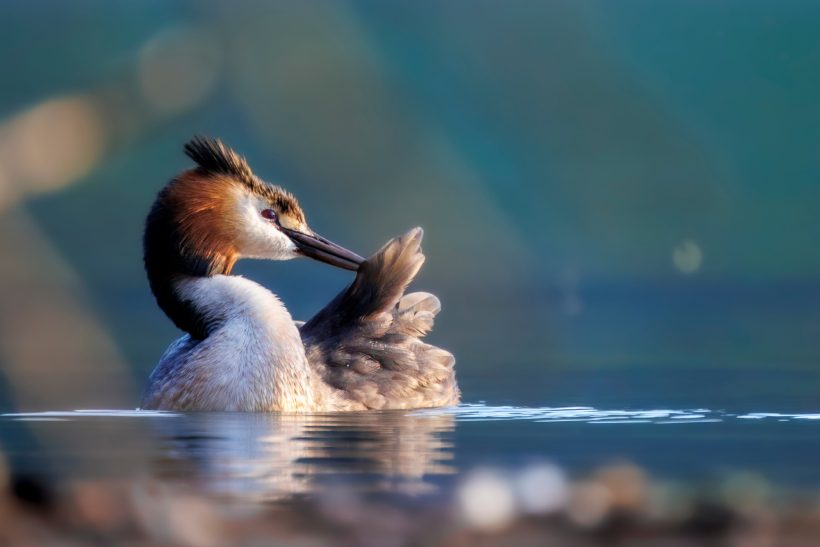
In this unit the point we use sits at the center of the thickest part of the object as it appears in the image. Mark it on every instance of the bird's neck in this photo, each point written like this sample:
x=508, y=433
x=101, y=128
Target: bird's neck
x=169, y=259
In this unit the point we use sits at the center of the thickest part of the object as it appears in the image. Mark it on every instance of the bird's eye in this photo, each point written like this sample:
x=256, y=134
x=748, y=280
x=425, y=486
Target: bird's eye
x=269, y=214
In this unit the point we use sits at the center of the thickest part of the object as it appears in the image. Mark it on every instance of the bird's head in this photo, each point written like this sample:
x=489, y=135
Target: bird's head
x=220, y=211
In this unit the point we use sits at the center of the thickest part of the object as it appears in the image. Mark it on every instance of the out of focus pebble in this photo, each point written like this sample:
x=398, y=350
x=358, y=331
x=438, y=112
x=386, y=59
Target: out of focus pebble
x=541, y=489
x=194, y=521
x=745, y=491
x=32, y=491
x=589, y=504
x=627, y=486
x=486, y=500
x=99, y=507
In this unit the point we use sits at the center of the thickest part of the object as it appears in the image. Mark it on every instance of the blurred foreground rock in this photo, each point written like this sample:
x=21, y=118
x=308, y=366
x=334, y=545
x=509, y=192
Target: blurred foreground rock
x=535, y=505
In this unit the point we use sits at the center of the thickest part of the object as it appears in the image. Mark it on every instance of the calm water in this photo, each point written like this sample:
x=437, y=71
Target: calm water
x=259, y=456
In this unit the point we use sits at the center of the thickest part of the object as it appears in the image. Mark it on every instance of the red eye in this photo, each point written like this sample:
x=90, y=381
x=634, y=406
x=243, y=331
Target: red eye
x=269, y=214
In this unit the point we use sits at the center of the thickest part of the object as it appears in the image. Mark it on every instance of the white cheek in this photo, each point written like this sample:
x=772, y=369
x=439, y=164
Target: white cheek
x=260, y=238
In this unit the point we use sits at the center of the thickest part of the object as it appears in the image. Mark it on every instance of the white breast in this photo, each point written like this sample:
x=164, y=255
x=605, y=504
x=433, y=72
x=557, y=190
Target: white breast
x=253, y=360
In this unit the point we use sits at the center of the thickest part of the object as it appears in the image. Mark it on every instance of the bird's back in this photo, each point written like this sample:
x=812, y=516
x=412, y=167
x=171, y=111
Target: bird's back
x=366, y=345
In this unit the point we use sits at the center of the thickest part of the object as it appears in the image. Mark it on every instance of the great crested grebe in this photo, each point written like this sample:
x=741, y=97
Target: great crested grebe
x=242, y=350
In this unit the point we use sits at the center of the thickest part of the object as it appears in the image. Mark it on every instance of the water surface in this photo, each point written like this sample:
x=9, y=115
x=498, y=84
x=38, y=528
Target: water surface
x=277, y=456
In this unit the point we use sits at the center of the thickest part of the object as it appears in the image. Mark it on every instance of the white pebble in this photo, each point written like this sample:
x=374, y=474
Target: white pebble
x=486, y=500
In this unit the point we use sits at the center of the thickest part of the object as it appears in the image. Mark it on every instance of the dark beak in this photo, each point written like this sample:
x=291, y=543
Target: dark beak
x=319, y=248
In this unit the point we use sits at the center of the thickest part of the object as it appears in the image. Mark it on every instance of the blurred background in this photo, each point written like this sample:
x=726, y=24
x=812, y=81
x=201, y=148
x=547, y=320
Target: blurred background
x=620, y=199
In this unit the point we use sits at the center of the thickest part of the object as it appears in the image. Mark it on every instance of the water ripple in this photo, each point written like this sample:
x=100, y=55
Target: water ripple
x=476, y=412
x=482, y=413
x=57, y=415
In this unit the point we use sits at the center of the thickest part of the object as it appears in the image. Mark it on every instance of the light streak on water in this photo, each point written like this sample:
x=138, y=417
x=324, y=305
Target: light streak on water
x=480, y=412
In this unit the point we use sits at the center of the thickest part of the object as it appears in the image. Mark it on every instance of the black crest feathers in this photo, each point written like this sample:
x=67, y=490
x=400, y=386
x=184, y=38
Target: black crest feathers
x=214, y=156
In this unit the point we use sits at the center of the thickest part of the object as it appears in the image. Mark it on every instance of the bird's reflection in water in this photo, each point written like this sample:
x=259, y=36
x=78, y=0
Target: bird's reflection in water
x=276, y=456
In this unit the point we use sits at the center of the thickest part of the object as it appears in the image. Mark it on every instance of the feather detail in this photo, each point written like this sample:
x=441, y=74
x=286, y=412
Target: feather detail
x=214, y=156
x=367, y=342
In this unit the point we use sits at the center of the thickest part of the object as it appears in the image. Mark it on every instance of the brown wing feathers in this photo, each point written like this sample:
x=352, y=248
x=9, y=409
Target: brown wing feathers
x=366, y=342
x=379, y=284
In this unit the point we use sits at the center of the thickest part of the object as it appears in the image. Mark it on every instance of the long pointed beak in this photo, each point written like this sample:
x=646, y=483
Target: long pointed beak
x=319, y=248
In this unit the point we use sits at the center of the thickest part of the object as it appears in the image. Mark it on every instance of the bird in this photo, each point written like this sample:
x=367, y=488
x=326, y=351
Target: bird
x=242, y=351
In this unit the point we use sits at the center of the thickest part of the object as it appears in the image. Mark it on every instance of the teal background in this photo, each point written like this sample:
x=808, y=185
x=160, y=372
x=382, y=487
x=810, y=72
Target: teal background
x=559, y=155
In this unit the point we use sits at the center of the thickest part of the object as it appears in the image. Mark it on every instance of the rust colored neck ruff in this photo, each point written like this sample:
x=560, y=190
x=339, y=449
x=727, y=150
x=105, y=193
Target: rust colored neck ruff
x=181, y=241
